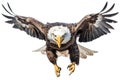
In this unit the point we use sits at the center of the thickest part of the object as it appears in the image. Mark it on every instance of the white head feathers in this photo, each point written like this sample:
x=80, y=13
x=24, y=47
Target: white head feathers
x=59, y=30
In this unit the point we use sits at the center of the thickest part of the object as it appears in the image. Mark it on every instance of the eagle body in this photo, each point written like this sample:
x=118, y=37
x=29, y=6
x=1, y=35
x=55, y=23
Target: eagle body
x=62, y=37
x=70, y=43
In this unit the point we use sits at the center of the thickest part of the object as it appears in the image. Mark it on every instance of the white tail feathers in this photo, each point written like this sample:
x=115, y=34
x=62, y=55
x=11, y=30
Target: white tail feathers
x=85, y=51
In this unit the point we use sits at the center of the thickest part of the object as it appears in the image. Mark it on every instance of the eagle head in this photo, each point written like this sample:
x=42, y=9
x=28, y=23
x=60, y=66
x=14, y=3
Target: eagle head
x=59, y=35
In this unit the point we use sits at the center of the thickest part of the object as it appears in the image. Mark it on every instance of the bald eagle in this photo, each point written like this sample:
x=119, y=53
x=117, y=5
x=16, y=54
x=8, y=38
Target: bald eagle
x=61, y=37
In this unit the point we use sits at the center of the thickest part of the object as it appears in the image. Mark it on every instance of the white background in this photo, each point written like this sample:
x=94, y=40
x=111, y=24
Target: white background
x=18, y=62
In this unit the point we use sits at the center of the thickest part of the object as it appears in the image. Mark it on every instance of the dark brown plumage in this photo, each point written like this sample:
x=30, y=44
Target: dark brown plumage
x=92, y=26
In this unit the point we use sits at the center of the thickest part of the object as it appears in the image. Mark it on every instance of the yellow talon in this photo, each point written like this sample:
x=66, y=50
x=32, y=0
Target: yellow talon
x=71, y=68
x=57, y=70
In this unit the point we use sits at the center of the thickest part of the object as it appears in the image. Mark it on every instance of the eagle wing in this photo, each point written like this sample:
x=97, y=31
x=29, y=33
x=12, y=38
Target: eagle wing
x=30, y=25
x=95, y=25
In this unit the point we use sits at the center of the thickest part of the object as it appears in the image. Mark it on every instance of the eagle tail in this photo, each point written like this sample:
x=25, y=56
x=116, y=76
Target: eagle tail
x=41, y=49
x=84, y=52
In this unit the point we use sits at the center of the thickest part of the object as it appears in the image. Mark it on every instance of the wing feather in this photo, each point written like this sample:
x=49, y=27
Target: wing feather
x=95, y=25
x=110, y=15
x=110, y=8
x=104, y=7
x=30, y=25
x=10, y=8
x=110, y=20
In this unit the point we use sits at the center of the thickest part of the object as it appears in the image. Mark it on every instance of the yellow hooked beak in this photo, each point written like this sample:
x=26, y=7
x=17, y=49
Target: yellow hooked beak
x=58, y=40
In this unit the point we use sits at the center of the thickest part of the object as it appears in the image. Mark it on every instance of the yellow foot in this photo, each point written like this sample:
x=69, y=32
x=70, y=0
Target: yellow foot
x=71, y=68
x=57, y=70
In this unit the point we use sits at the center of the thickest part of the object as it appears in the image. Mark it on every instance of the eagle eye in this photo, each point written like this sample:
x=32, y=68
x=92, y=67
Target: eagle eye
x=64, y=35
x=53, y=35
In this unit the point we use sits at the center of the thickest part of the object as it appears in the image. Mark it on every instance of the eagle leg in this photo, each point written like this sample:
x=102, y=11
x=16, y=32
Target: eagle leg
x=51, y=54
x=71, y=67
x=74, y=57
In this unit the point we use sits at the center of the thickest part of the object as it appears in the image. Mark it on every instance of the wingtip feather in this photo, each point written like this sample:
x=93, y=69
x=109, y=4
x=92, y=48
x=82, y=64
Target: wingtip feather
x=105, y=6
x=109, y=9
x=9, y=17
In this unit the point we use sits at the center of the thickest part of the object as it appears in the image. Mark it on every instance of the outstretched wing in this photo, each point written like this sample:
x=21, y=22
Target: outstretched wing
x=95, y=25
x=27, y=24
